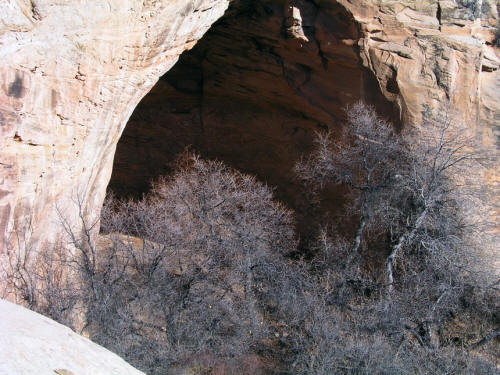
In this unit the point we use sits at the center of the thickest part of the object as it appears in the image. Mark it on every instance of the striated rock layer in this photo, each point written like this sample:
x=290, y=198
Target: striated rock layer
x=73, y=71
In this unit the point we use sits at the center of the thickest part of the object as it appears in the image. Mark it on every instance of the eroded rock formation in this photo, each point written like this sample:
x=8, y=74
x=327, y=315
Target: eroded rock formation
x=71, y=73
x=266, y=76
x=252, y=91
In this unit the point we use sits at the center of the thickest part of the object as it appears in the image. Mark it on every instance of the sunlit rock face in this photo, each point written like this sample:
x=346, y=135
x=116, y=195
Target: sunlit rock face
x=71, y=73
x=251, y=93
x=33, y=344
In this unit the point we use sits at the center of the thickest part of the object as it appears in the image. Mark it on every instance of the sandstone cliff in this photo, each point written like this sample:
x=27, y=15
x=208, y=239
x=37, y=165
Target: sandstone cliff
x=73, y=72
x=267, y=75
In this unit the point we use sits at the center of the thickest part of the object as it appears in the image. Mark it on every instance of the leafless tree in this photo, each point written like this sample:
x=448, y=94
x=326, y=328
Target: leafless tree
x=192, y=272
x=363, y=158
x=32, y=275
x=411, y=193
x=17, y=265
x=203, y=271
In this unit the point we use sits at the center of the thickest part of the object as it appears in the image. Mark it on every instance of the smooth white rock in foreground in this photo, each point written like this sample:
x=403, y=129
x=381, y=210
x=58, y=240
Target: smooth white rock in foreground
x=33, y=344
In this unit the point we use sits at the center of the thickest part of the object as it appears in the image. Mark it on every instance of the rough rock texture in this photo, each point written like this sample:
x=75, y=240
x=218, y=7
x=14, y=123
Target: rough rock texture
x=73, y=71
x=33, y=344
x=267, y=75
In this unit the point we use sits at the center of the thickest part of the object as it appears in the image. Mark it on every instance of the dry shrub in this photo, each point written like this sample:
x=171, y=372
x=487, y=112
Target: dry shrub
x=197, y=276
x=179, y=275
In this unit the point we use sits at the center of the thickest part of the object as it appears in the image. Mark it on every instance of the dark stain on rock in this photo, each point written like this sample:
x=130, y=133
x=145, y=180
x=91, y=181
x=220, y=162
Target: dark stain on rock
x=16, y=88
x=17, y=138
x=53, y=98
x=2, y=120
x=4, y=193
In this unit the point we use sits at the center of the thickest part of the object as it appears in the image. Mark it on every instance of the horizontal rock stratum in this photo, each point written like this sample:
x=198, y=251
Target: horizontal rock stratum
x=33, y=344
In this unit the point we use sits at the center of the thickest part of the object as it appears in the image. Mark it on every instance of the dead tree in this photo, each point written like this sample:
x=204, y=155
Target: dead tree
x=412, y=191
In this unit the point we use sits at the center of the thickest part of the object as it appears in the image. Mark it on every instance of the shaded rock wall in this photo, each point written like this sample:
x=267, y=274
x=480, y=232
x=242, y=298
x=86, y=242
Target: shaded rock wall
x=268, y=74
x=252, y=92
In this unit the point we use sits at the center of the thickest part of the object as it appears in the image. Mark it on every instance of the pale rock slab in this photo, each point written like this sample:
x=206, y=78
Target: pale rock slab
x=33, y=344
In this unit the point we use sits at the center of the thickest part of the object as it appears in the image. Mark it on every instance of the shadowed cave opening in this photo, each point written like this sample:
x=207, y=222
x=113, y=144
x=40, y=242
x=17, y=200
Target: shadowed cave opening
x=252, y=93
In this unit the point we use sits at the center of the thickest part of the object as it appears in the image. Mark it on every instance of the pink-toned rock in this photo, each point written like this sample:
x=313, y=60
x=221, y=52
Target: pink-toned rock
x=71, y=73
x=254, y=90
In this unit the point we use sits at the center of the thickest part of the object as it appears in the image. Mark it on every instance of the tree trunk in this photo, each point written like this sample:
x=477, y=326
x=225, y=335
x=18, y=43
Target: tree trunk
x=250, y=298
x=486, y=339
x=356, y=242
x=407, y=236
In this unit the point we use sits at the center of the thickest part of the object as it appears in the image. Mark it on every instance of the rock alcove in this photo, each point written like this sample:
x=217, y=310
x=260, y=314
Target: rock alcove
x=251, y=93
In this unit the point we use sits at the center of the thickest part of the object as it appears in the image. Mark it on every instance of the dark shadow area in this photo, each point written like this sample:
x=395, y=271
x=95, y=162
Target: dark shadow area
x=252, y=93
